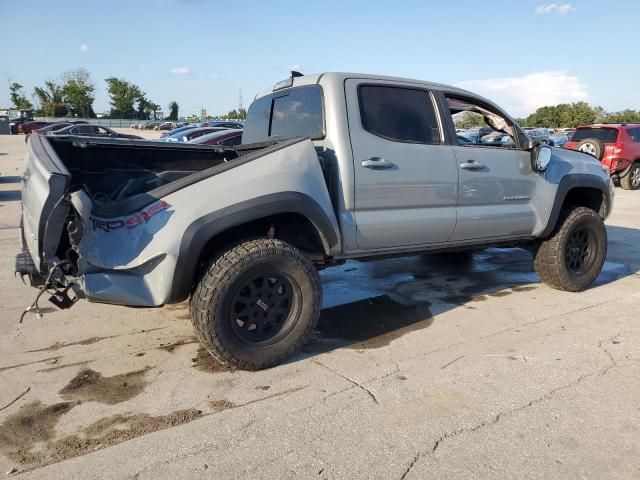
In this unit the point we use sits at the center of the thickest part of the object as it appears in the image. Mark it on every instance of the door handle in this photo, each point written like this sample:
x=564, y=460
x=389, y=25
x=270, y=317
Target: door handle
x=472, y=165
x=377, y=163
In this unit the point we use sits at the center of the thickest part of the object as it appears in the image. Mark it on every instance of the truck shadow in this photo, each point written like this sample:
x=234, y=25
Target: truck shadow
x=368, y=305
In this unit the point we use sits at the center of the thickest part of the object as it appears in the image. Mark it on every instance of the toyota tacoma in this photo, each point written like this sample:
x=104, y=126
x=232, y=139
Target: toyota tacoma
x=332, y=166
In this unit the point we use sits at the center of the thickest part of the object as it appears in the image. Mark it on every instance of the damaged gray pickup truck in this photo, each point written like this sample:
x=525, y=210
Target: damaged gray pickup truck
x=331, y=167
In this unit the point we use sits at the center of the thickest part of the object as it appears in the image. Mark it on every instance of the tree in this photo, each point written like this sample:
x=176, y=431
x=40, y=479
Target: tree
x=146, y=108
x=173, y=110
x=18, y=98
x=51, y=99
x=469, y=119
x=123, y=97
x=78, y=93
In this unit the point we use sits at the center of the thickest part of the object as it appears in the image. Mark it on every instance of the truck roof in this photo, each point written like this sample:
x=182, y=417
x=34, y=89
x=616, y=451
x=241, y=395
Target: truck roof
x=339, y=78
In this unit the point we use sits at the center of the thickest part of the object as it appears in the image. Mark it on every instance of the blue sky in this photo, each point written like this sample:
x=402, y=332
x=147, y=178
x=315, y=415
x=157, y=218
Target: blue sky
x=520, y=53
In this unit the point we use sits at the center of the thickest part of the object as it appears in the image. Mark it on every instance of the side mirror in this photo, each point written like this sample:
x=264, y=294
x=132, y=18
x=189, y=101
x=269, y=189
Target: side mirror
x=541, y=156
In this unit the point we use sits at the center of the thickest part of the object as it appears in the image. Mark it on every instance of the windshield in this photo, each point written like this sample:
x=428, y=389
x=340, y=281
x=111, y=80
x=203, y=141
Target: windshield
x=606, y=135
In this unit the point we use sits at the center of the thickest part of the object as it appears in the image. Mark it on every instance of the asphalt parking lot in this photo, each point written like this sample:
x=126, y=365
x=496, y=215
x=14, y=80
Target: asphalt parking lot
x=418, y=369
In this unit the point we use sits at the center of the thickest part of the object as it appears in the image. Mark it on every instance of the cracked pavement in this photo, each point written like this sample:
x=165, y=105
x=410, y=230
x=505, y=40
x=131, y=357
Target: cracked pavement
x=419, y=369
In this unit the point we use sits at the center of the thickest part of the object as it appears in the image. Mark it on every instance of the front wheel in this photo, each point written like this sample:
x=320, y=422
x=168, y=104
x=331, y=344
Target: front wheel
x=572, y=257
x=256, y=304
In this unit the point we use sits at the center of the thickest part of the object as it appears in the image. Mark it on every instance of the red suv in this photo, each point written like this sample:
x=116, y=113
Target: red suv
x=616, y=145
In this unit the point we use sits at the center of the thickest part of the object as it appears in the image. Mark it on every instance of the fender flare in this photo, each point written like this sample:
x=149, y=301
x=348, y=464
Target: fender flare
x=569, y=182
x=198, y=234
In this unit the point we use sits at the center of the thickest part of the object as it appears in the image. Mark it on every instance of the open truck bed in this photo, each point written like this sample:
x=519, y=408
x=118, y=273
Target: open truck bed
x=113, y=214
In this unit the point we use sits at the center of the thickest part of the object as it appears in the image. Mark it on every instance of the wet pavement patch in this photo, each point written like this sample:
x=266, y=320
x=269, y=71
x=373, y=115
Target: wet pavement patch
x=374, y=322
x=89, y=385
x=33, y=423
x=204, y=362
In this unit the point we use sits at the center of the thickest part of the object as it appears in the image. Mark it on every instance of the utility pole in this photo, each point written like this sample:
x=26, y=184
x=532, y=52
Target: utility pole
x=239, y=100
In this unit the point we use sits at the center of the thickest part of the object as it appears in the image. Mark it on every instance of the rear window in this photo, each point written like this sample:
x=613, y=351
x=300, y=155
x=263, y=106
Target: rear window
x=605, y=135
x=296, y=112
x=634, y=133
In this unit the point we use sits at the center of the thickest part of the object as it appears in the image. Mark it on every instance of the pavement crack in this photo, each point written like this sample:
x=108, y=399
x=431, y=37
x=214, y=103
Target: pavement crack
x=351, y=381
x=413, y=461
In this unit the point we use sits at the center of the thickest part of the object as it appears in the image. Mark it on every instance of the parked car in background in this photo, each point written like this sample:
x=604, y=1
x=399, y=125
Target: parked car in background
x=28, y=127
x=14, y=125
x=540, y=135
x=474, y=134
x=558, y=139
x=616, y=145
x=92, y=131
x=177, y=130
x=150, y=125
x=165, y=126
x=53, y=127
x=223, y=138
x=188, y=135
x=221, y=123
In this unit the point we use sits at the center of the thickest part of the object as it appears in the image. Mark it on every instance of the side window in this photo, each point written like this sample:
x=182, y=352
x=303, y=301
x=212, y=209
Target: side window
x=85, y=129
x=634, y=133
x=481, y=125
x=298, y=114
x=399, y=114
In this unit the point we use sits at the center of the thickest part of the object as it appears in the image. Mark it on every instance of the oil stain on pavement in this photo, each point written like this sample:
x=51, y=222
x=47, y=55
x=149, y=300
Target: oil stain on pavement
x=89, y=385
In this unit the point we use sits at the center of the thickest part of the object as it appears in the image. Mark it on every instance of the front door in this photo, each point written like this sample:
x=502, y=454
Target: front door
x=406, y=177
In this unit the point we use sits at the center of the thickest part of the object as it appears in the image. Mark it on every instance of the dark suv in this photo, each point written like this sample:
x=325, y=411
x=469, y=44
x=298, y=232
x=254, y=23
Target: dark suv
x=616, y=145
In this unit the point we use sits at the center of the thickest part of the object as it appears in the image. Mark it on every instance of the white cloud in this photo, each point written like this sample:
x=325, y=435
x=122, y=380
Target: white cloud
x=180, y=71
x=555, y=8
x=84, y=47
x=521, y=96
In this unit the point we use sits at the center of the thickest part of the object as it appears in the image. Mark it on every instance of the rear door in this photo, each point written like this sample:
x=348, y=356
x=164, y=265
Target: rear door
x=406, y=177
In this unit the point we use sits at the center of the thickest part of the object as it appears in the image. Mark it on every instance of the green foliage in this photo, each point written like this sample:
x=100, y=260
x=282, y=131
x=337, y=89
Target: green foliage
x=123, y=95
x=575, y=114
x=468, y=120
x=78, y=93
x=146, y=108
x=51, y=98
x=17, y=97
x=173, y=110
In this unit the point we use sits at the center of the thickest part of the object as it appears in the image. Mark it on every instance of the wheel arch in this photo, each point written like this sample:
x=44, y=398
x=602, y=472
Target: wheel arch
x=297, y=218
x=584, y=190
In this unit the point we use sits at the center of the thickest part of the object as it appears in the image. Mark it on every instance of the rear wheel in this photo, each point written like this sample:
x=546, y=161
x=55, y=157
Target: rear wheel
x=256, y=304
x=572, y=258
x=631, y=181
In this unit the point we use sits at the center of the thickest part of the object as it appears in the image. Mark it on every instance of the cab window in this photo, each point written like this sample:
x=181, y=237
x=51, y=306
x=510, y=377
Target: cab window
x=479, y=125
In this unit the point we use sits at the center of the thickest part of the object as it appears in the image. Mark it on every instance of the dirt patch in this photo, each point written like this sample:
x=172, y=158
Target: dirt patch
x=204, y=362
x=170, y=347
x=90, y=385
x=503, y=293
x=26, y=437
x=33, y=423
x=178, y=306
x=374, y=322
x=524, y=288
x=220, y=405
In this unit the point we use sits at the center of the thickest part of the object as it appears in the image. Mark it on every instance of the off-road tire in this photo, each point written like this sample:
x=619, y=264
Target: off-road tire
x=550, y=257
x=597, y=150
x=214, y=295
x=631, y=181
